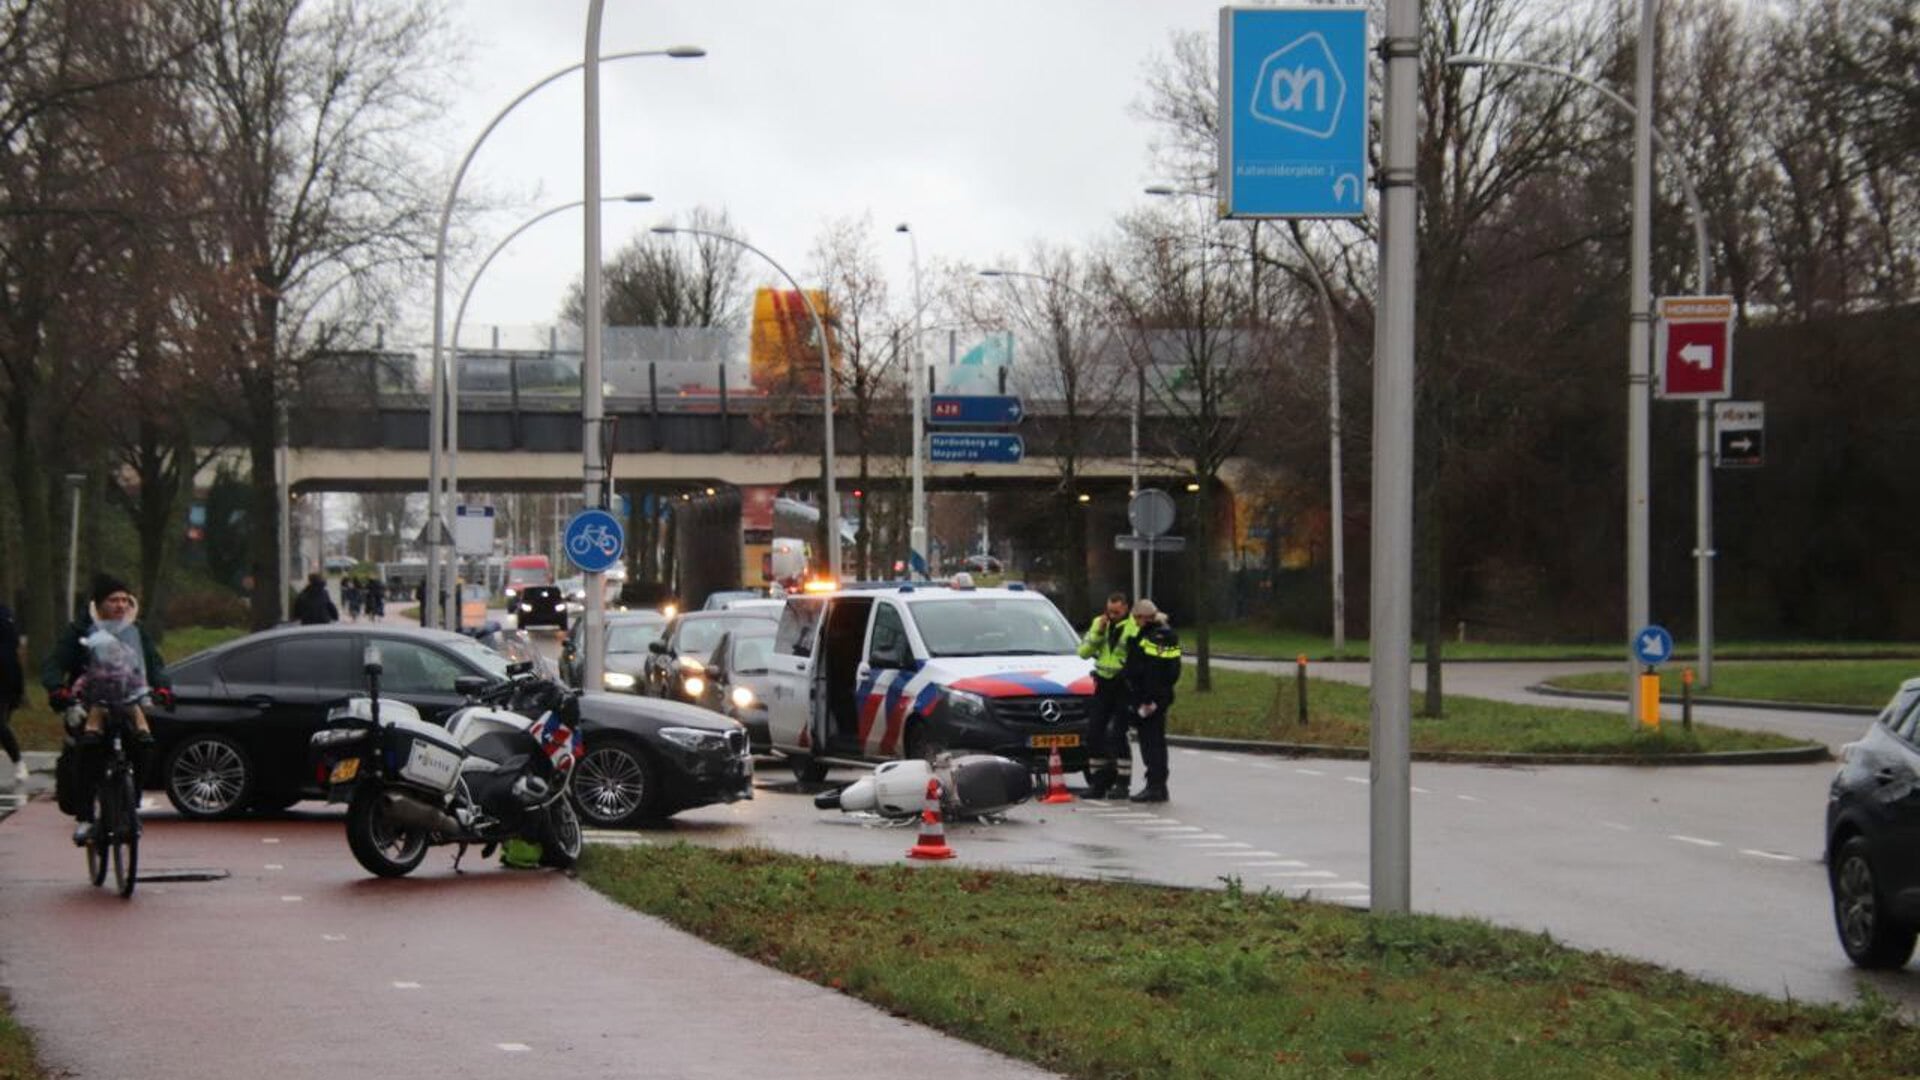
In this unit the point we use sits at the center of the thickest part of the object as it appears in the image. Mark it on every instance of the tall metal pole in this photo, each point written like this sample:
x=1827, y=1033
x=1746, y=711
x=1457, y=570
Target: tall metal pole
x=917, y=390
x=831, y=512
x=1390, y=794
x=592, y=406
x=1336, y=510
x=74, y=480
x=1639, y=359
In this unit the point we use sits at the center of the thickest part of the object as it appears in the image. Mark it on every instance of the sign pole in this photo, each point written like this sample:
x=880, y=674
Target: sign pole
x=1703, y=541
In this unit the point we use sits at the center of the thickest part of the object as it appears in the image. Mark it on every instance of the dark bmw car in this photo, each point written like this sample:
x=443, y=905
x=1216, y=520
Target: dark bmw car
x=539, y=605
x=1873, y=836
x=236, y=735
x=676, y=668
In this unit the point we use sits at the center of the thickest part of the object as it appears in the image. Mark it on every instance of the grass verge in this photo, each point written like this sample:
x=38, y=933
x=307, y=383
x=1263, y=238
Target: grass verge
x=1108, y=980
x=18, y=1059
x=1809, y=682
x=38, y=726
x=1251, y=705
x=1242, y=639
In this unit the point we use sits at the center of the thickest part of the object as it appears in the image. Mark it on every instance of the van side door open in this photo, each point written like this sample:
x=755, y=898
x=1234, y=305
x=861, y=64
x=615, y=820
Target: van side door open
x=842, y=651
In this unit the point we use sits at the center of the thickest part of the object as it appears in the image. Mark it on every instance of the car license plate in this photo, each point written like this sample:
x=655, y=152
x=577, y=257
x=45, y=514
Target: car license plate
x=344, y=771
x=1048, y=742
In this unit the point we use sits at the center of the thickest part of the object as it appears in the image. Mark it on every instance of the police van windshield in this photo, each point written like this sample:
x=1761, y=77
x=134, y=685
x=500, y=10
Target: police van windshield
x=990, y=626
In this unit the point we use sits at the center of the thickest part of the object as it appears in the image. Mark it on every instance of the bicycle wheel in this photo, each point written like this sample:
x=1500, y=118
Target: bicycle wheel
x=126, y=836
x=97, y=845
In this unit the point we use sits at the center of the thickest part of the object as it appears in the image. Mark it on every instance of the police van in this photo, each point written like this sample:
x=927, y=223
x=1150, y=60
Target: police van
x=902, y=670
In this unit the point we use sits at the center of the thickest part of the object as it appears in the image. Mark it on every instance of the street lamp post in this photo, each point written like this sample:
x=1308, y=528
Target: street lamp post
x=1702, y=282
x=437, y=403
x=917, y=390
x=74, y=480
x=831, y=511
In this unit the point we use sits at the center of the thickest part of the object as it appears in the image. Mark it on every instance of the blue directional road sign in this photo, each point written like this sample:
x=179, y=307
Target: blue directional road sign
x=1293, y=112
x=1652, y=645
x=997, y=449
x=974, y=409
x=595, y=540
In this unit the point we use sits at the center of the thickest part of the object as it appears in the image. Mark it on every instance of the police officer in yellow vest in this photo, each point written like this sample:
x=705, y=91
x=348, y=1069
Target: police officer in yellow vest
x=1151, y=670
x=1109, y=758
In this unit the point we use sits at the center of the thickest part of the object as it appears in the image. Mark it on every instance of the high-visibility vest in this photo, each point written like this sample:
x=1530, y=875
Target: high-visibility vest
x=1107, y=649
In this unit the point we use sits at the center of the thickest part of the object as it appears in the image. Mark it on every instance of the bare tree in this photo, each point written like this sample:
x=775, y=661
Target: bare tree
x=660, y=281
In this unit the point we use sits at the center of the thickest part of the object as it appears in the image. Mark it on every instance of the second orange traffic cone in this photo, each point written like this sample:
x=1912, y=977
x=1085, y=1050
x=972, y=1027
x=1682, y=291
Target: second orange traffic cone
x=933, y=835
x=1056, y=780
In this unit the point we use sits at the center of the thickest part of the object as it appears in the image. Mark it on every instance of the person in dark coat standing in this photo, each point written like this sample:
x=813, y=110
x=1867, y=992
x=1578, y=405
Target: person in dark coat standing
x=13, y=690
x=313, y=607
x=1151, y=670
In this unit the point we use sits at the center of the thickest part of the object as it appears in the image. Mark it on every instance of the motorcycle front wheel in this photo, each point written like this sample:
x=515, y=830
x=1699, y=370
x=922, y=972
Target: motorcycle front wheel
x=561, y=840
x=382, y=845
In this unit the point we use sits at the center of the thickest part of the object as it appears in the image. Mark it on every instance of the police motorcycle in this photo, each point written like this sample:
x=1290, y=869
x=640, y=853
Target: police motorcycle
x=489, y=776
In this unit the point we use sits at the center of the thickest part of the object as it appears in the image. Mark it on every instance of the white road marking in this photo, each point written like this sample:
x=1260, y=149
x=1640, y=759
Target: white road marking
x=1228, y=758
x=1198, y=836
x=1421, y=791
x=1616, y=826
x=1242, y=855
x=333, y=937
x=1343, y=885
x=514, y=1048
x=406, y=986
x=1145, y=815
x=1309, y=772
x=1216, y=843
x=291, y=899
x=1774, y=855
x=1168, y=828
x=1294, y=863
x=275, y=866
x=1300, y=873
x=1468, y=798
x=1265, y=765
x=1356, y=779
x=269, y=839
x=1694, y=840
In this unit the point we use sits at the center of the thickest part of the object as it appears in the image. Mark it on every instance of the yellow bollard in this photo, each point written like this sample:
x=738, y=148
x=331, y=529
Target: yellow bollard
x=1650, y=700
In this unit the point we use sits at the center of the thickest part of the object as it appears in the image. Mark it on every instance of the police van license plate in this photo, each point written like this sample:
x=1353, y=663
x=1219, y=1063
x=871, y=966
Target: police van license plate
x=1048, y=742
x=344, y=771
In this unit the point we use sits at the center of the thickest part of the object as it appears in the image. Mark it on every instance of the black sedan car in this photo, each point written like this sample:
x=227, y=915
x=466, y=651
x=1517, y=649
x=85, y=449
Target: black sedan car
x=539, y=605
x=236, y=736
x=1873, y=837
x=676, y=670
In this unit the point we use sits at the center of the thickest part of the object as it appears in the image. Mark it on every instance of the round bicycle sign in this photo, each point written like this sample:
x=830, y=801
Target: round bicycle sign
x=595, y=540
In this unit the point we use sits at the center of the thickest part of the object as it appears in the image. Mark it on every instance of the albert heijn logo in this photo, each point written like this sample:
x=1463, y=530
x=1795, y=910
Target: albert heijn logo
x=1300, y=88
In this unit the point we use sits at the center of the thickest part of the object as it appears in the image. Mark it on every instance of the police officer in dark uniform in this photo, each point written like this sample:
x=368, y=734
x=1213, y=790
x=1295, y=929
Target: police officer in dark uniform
x=1109, y=759
x=1152, y=668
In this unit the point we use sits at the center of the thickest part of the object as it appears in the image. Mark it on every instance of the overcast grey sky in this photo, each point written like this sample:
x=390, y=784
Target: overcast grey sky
x=987, y=124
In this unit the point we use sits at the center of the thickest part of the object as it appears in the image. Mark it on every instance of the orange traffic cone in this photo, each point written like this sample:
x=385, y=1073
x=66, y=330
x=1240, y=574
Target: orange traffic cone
x=1056, y=780
x=933, y=835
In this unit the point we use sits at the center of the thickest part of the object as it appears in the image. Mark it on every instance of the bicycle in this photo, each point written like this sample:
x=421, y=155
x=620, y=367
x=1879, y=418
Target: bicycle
x=591, y=537
x=116, y=810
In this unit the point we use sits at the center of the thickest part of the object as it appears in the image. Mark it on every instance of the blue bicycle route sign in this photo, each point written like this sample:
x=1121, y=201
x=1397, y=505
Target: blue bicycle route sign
x=595, y=540
x=1652, y=645
x=1293, y=112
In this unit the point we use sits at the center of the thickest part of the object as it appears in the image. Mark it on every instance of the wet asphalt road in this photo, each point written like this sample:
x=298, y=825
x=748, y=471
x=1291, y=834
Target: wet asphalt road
x=298, y=964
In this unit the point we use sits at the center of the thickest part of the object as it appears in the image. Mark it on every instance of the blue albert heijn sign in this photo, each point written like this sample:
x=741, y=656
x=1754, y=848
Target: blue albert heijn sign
x=996, y=449
x=1653, y=645
x=595, y=540
x=1293, y=112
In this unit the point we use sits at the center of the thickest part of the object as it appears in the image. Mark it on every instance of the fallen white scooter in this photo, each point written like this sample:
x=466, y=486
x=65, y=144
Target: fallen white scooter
x=971, y=785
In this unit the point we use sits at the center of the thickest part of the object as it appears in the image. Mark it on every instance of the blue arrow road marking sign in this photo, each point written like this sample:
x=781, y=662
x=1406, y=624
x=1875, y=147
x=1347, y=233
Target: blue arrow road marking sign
x=595, y=540
x=1653, y=645
x=974, y=409
x=1001, y=449
x=1293, y=116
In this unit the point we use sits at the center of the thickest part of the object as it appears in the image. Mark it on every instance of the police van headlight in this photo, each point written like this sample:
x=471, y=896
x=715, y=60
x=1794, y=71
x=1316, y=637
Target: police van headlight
x=966, y=705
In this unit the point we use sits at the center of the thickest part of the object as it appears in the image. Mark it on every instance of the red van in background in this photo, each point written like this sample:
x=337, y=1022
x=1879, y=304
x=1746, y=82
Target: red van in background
x=525, y=570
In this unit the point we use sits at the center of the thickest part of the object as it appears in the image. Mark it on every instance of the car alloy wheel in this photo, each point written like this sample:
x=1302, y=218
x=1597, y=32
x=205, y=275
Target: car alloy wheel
x=208, y=776
x=612, y=785
x=1868, y=932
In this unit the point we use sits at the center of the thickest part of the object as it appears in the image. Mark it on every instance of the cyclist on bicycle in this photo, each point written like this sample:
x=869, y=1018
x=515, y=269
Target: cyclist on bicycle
x=105, y=661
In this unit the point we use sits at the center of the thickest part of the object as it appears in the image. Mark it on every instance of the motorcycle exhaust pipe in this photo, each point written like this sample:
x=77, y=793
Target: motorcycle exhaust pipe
x=415, y=814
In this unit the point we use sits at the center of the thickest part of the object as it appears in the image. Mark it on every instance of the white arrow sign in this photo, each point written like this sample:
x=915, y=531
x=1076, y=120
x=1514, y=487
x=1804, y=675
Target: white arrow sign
x=1700, y=356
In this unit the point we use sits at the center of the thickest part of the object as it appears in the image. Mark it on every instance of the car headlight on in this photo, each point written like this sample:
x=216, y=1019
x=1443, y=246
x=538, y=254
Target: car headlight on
x=694, y=738
x=966, y=705
x=742, y=697
x=694, y=686
x=617, y=680
x=526, y=607
x=511, y=593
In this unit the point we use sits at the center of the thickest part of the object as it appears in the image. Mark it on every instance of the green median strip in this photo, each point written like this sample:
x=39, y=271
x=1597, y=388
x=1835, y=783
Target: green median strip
x=1868, y=683
x=1244, y=639
x=1252, y=705
x=1098, y=979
